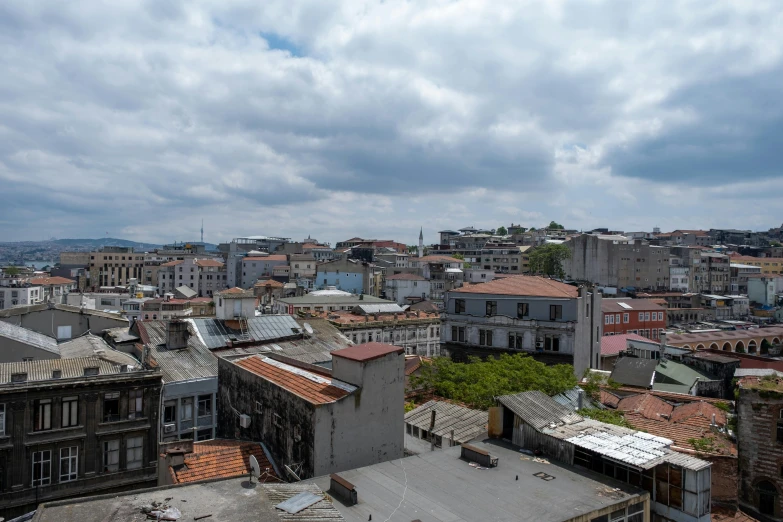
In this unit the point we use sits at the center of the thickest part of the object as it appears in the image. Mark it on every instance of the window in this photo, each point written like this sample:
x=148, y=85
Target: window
x=204, y=405
x=2, y=419
x=170, y=412
x=111, y=456
x=461, y=334
x=459, y=306
x=515, y=340
x=204, y=434
x=70, y=413
x=555, y=312
x=63, y=332
x=42, y=468
x=626, y=318
x=609, y=319
x=523, y=310
x=660, y=316
x=617, y=318
x=134, y=452
x=69, y=462
x=647, y=316
x=111, y=407
x=187, y=409
x=641, y=316
x=552, y=343
x=492, y=308
x=135, y=404
x=43, y=415
x=485, y=337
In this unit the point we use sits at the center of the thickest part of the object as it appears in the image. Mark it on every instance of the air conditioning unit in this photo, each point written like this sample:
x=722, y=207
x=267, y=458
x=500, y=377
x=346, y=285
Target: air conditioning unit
x=539, y=344
x=169, y=428
x=244, y=420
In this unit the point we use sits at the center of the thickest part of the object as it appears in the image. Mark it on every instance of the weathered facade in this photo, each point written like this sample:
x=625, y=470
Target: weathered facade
x=61, y=321
x=315, y=421
x=74, y=427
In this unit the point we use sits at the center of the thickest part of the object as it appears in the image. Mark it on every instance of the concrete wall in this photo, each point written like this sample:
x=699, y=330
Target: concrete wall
x=346, y=281
x=258, y=267
x=367, y=427
x=224, y=308
x=762, y=290
x=15, y=351
x=176, y=391
x=47, y=321
x=399, y=290
x=476, y=305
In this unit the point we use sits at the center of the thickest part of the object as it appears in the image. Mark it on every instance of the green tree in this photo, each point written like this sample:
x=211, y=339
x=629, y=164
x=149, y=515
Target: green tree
x=553, y=225
x=548, y=260
x=12, y=271
x=501, y=231
x=478, y=382
x=458, y=256
x=608, y=416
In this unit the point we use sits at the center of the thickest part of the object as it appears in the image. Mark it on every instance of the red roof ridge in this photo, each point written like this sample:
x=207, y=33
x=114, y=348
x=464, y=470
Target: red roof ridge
x=367, y=351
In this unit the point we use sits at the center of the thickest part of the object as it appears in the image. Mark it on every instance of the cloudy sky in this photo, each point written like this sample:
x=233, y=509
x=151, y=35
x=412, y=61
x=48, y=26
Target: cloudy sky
x=340, y=118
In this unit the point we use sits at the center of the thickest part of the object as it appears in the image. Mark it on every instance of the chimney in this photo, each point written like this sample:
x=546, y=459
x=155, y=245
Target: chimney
x=662, y=337
x=343, y=490
x=580, y=399
x=177, y=334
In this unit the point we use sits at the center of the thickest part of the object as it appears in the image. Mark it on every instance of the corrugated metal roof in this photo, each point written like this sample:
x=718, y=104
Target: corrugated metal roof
x=214, y=332
x=466, y=423
x=193, y=362
x=634, y=372
x=538, y=409
x=28, y=337
x=322, y=511
x=91, y=345
x=635, y=448
x=41, y=370
x=570, y=399
x=380, y=308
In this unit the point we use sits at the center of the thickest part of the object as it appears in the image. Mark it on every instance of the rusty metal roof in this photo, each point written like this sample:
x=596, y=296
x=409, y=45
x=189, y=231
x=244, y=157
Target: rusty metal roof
x=465, y=422
x=42, y=369
x=539, y=409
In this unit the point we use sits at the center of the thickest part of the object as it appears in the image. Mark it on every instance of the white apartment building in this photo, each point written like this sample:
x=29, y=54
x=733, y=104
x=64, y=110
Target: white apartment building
x=260, y=265
x=206, y=276
x=11, y=296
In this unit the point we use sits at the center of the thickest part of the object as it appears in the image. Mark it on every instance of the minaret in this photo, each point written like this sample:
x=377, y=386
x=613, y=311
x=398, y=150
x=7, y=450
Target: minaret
x=202, y=231
x=421, y=242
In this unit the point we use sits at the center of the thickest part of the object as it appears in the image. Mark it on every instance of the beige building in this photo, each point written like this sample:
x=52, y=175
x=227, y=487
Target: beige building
x=115, y=266
x=205, y=276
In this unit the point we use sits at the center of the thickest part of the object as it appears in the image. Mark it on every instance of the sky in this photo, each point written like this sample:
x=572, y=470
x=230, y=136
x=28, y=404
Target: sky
x=333, y=119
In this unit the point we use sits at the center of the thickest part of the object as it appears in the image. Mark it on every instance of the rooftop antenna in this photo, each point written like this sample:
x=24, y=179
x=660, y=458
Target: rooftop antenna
x=255, y=469
x=202, y=230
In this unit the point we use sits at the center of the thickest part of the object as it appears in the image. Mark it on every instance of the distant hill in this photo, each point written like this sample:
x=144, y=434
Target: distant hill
x=107, y=241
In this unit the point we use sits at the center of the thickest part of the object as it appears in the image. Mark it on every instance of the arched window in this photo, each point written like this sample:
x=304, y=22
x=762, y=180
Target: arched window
x=739, y=347
x=752, y=346
x=154, y=316
x=714, y=346
x=767, y=497
x=727, y=346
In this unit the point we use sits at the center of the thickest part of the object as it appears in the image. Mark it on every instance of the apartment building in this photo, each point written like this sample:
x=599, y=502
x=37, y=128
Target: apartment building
x=205, y=276
x=644, y=317
x=768, y=265
x=349, y=275
x=526, y=314
x=115, y=266
x=74, y=427
x=54, y=288
x=740, y=273
x=22, y=294
x=260, y=265
x=617, y=262
x=713, y=275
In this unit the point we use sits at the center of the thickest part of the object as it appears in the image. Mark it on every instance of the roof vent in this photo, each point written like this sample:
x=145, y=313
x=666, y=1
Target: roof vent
x=92, y=370
x=124, y=368
x=56, y=374
x=19, y=377
x=343, y=490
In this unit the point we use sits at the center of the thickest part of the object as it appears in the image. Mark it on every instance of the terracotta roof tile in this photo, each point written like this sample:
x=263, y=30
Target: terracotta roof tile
x=647, y=405
x=221, y=459
x=208, y=262
x=680, y=434
x=609, y=399
x=261, y=259
x=522, y=285
x=315, y=391
x=268, y=282
x=367, y=351
x=173, y=263
x=698, y=414
x=614, y=344
x=46, y=281
x=730, y=514
x=438, y=259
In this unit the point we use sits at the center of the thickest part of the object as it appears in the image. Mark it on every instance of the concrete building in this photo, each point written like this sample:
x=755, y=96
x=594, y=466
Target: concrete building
x=22, y=294
x=633, y=316
x=74, y=427
x=740, y=273
x=268, y=291
x=760, y=444
x=768, y=265
x=764, y=289
x=113, y=266
x=20, y=344
x=329, y=300
x=678, y=485
x=60, y=321
x=349, y=275
x=527, y=314
x=310, y=418
x=713, y=275
x=189, y=372
x=259, y=265
x=740, y=341
x=405, y=288
x=303, y=270
x=418, y=333
x=54, y=288
x=617, y=262
x=235, y=303
x=206, y=276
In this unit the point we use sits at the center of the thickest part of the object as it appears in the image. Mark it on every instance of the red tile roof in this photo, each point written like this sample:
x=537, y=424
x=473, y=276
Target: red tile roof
x=680, y=434
x=235, y=290
x=46, y=281
x=272, y=257
x=221, y=458
x=437, y=259
x=614, y=344
x=698, y=414
x=646, y=405
x=367, y=351
x=405, y=277
x=208, y=262
x=637, y=305
x=609, y=399
x=173, y=263
x=268, y=282
x=315, y=391
x=524, y=286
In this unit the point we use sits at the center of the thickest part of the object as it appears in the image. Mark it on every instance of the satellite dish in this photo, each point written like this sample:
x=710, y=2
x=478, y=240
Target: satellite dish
x=308, y=328
x=255, y=469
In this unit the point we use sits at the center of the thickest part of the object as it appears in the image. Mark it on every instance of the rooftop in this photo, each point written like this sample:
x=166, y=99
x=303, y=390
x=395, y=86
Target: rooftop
x=437, y=259
x=264, y=258
x=629, y=305
x=43, y=369
x=216, y=333
x=261, y=283
x=224, y=500
x=465, y=423
x=221, y=458
x=614, y=344
x=763, y=383
x=632, y=371
x=208, y=262
x=538, y=409
x=23, y=335
x=724, y=335
x=341, y=317
x=193, y=362
x=405, y=277
x=342, y=299
x=522, y=285
x=23, y=310
x=316, y=389
x=236, y=293
x=367, y=351
x=442, y=487
x=92, y=345
x=47, y=281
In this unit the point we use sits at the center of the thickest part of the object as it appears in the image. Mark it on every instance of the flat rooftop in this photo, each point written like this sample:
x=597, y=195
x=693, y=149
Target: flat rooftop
x=439, y=486
x=228, y=500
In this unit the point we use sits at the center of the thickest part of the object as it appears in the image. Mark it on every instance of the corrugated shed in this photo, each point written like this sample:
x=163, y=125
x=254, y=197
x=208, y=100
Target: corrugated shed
x=42, y=370
x=28, y=337
x=538, y=409
x=193, y=362
x=466, y=423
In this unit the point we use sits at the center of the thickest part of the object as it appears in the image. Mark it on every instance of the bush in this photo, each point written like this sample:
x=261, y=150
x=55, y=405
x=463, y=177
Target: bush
x=608, y=416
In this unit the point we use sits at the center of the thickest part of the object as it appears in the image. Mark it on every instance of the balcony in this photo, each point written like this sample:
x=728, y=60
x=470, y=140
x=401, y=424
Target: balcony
x=502, y=320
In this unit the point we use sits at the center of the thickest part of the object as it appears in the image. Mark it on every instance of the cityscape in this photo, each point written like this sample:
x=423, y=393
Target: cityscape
x=441, y=261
